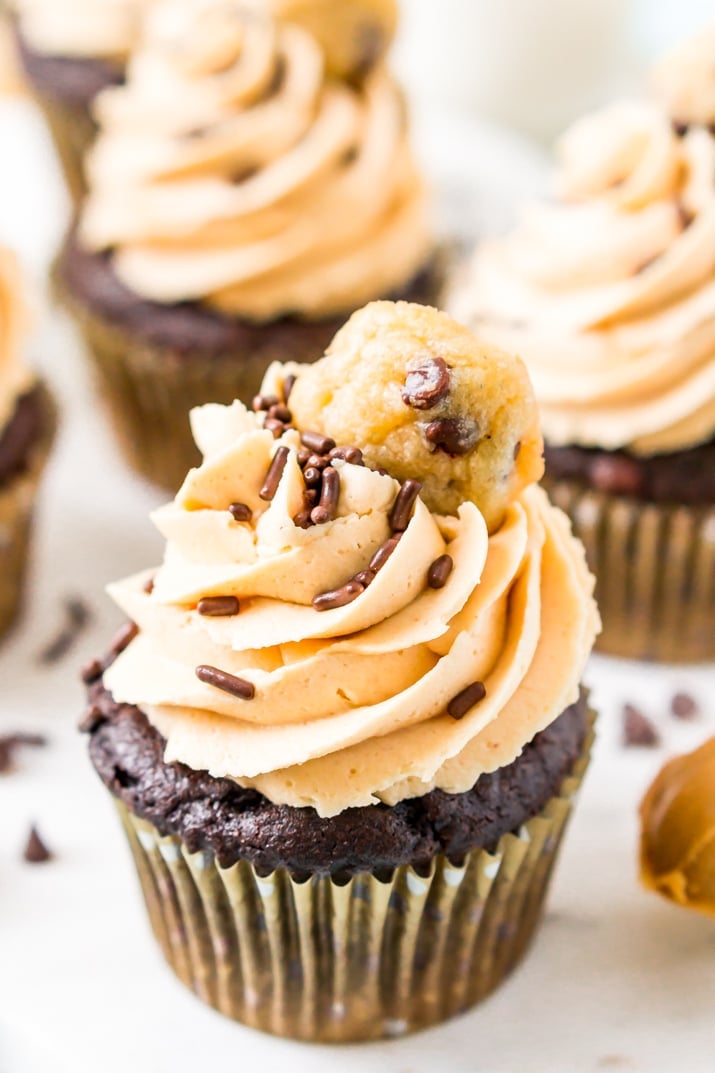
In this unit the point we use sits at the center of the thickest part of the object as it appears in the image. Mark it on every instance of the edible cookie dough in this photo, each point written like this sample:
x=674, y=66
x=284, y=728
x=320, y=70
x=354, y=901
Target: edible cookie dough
x=355, y=34
x=424, y=399
x=678, y=831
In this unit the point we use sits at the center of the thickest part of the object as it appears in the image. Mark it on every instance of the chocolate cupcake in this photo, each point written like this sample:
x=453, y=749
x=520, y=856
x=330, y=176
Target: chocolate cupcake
x=242, y=205
x=344, y=731
x=608, y=294
x=26, y=430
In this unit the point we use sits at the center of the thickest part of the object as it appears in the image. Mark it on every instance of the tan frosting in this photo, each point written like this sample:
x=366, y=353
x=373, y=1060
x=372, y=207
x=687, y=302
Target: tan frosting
x=82, y=29
x=609, y=292
x=231, y=170
x=350, y=703
x=15, y=377
x=684, y=81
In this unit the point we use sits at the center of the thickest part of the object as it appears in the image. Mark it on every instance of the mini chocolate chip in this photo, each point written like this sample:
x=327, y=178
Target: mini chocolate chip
x=426, y=385
x=638, y=729
x=402, y=508
x=439, y=572
x=240, y=512
x=455, y=436
x=36, y=852
x=465, y=701
x=227, y=683
x=218, y=606
x=328, y=601
x=275, y=472
x=683, y=706
x=316, y=442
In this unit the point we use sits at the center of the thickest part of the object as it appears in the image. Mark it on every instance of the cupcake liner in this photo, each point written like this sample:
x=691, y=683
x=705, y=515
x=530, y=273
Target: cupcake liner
x=73, y=131
x=17, y=499
x=368, y=959
x=655, y=572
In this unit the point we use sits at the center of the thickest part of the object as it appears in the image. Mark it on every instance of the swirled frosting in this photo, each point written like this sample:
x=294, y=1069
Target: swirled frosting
x=684, y=81
x=350, y=703
x=230, y=170
x=608, y=293
x=81, y=29
x=15, y=377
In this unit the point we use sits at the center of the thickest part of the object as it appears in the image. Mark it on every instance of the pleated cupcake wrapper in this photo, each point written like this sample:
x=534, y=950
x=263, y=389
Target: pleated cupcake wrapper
x=73, y=131
x=320, y=961
x=17, y=500
x=655, y=572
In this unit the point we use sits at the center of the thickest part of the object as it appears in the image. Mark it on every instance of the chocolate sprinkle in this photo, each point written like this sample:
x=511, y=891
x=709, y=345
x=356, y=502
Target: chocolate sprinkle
x=683, y=706
x=454, y=436
x=77, y=616
x=9, y=743
x=280, y=412
x=348, y=454
x=91, y=719
x=148, y=586
x=426, y=385
x=288, y=385
x=36, y=852
x=465, y=701
x=383, y=553
x=277, y=428
x=124, y=638
x=275, y=472
x=402, y=508
x=240, y=512
x=316, y=442
x=365, y=577
x=439, y=572
x=638, y=730
x=92, y=671
x=218, y=606
x=329, y=496
x=228, y=683
x=312, y=475
x=328, y=601
x=264, y=402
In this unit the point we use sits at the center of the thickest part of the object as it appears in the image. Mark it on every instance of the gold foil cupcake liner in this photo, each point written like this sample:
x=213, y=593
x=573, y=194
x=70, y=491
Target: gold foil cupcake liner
x=319, y=961
x=655, y=572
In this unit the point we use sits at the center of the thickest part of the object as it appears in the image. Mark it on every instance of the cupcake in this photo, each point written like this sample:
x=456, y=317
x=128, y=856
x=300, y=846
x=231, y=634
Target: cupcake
x=70, y=51
x=242, y=205
x=344, y=726
x=26, y=431
x=608, y=294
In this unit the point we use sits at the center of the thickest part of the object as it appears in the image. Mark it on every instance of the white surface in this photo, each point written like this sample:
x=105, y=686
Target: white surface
x=618, y=980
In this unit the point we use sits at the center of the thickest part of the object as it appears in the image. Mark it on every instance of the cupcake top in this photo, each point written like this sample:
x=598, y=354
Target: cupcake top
x=81, y=29
x=231, y=170
x=608, y=292
x=15, y=377
x=684, y=81
x=318, y=633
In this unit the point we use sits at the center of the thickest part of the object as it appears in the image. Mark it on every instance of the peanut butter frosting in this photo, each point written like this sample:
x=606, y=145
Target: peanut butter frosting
x=81, y=29
x=684, y=81
x=381, y=652
x=15, y=377
x=232, y=170
x=608, y=292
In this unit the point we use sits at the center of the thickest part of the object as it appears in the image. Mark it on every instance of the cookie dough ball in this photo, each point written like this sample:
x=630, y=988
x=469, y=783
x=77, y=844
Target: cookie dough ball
x=423, y=398
x=678, y=831
x=355, y=34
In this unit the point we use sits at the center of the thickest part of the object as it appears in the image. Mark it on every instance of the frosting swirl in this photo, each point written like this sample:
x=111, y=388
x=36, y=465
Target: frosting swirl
x=231, y=170
x=15, y=377
x=350, y=703
x=684, y=81
x=81, y=29
x=608, y=294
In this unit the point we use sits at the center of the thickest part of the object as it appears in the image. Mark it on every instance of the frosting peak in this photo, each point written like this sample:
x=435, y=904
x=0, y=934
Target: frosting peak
x=684, y=81
x=81, y=29
x=231, y=170
x=15, y=377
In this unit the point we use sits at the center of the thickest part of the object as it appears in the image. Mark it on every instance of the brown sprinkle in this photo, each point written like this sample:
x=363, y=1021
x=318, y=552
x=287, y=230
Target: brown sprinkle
x=329, y=496
x=240, y=512
x=124, y=638
x=280, y=412
x=317, y=462
x=228, y=683
x=683, y=706
x=264, y=402
x=365, y=577
x=277, y=428
x=302, y=519
x=36, y=852
x=316, y=442
x=383, y=553
x=148, y=586
x=218, y=606
x=517, y=449
x=465, y=701
x=92, y=671
x=439, y=572
x=303, y=457
x=275, y=472
x=426, y=385
x=91, y=719
x=328, y=601
x=288, y=385
x=402, y=508
x=638, y=730
x=348, y=454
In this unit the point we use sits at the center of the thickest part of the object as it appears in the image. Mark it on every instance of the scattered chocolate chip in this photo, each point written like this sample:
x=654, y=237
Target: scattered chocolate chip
x=684, y=707
x=77, y=616
x=439, y=571
x=218, y=606
x=148, y=586
x=638, y=730
x=402, y=508
x=124, y=638
x=365, y=578
x=455, y=436
x=465, y=701
x=616, y=473
x=327, y=601
x=426, y=385
x=228, y=683
x=9, y=743
x=288, y=385
x=264, y=402
x=314, y=441
x=383, y=553
x=348, y=454
x=280, y=412
x=275, y=472
x=36, y=852
x=240, y=512
x=329, y=496
x=91, y=719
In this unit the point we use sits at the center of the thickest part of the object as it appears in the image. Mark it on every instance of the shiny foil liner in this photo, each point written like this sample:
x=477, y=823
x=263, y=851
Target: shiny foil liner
x=319, y=961
x=17, y=500
x=655, y=572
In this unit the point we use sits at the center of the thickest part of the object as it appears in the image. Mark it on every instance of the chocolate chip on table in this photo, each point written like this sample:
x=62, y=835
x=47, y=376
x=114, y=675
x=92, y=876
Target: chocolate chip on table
x=465, y=701
x=439, y=572
x=227, y=683
x=453, y=435
x=402, y=507
x=275, y=472
x=240, y=512
x=218, y=606
x=638, y=730
x=36, y=852
x=616, y=473
x=684, y=706
x=426, y=385
x=10, y=743
x=328, y=601
x=77, y=616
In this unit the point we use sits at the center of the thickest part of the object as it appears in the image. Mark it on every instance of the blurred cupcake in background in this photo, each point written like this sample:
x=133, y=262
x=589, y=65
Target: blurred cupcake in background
x=70, y=50
x=27, y=422
x=608, y=293
x=242, y=204
x=684, y=81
